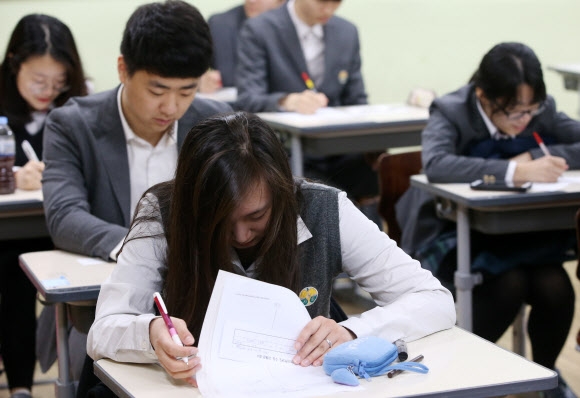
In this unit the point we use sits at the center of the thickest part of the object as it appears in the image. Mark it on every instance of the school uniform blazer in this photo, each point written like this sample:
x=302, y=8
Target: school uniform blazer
x=271, y=62
x=225, y=28
x=455, y=125
x=86, y=184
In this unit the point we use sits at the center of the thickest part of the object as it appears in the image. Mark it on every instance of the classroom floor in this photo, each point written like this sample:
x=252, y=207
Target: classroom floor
x=568, y=361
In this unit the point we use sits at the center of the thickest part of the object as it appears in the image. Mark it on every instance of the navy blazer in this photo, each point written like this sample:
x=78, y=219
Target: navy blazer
x=271, y=62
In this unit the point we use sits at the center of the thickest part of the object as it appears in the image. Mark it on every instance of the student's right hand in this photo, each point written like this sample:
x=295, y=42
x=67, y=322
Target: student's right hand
x=29, y=176
x=543, y=169
x=306, y=102
x=167, y=350
x=210, y=81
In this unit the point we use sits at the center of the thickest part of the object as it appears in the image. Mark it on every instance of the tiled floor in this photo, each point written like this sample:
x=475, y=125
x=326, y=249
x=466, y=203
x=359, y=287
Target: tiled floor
x=568, y=362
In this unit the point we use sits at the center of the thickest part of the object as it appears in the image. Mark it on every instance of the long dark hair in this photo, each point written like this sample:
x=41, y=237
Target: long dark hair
x=504, y=68
x=36, y=35
x=221, y=159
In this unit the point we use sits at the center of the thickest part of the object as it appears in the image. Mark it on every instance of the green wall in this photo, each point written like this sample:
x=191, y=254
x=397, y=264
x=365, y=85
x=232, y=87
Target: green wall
x=434, y=44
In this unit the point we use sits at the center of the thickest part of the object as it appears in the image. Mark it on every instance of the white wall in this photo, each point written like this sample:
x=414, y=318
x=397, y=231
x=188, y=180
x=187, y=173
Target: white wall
x=405, y=43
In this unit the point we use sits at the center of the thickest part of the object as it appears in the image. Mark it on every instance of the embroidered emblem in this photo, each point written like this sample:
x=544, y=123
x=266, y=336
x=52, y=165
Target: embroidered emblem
x=342, y=76
x=308, y=295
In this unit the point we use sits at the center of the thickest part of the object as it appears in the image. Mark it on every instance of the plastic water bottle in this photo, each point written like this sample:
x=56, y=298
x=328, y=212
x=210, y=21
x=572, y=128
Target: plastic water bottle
x=7, y=153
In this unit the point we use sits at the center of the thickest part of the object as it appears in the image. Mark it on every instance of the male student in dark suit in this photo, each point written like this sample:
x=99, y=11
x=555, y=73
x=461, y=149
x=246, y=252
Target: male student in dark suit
x=225, y=29
x=103, y=151
x=278, y=49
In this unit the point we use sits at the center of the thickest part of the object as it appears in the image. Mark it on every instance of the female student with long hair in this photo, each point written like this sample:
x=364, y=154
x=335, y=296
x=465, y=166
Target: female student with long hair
x=41, y=70
x=486, y=129
x=235, y=206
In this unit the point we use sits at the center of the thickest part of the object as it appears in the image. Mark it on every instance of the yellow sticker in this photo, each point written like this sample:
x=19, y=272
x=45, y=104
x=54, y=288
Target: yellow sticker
x=308, y=295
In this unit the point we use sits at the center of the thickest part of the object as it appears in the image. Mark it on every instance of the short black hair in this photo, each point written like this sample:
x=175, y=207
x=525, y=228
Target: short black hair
x=170, y=39
x=504, y=68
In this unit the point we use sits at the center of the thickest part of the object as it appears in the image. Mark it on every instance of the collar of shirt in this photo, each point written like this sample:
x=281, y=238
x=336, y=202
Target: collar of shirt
x=131, y=137
x=35, y=125
x=492, y=128
x=302, y=29
x=303, y=235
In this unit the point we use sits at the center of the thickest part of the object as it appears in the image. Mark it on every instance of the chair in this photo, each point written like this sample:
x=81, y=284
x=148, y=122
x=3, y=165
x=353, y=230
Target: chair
x=395, y=171
x=578, y=266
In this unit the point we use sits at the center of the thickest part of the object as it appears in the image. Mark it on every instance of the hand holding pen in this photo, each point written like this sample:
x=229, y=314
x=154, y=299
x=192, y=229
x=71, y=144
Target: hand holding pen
x=164, y=333
x=29, y=176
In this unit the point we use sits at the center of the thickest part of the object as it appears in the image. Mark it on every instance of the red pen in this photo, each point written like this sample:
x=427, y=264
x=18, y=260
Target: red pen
x=541, y=144
x=163, y=311
x=308, y=81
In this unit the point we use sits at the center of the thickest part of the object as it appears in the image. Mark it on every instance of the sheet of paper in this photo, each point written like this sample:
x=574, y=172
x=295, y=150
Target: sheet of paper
x=247, y=343
x=562, y=183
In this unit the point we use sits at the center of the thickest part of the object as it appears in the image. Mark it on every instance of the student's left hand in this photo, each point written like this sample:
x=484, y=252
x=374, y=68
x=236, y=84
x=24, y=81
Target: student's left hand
x=313, y=341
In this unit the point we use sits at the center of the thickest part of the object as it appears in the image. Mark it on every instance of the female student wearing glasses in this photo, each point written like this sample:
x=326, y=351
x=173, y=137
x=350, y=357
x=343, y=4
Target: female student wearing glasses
x=234, y=205
x=486, y=128
x=41, y=70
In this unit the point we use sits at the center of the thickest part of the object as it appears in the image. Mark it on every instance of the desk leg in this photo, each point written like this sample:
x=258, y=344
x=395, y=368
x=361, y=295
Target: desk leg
x=64, y=386
x=463, y=277
x=297, y=160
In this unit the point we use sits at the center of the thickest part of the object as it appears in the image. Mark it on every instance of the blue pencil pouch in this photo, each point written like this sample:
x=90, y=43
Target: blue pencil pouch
x=365, y=357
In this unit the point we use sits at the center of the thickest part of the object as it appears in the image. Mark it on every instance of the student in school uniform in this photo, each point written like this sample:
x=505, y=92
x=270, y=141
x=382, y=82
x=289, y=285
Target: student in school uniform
x=225, y=29
x=41, y=70
x=103, y=151
x=234, y=205
x=486, y=129
x=301, y=57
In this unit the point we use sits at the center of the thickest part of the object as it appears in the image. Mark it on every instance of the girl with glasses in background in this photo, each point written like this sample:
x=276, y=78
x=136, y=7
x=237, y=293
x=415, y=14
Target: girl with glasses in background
x=486, y=130
x=41, y=70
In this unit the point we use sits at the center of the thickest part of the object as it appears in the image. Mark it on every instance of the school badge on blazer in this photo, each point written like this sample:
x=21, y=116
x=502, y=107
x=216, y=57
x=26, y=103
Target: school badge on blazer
x=342, y=76
x=308, y=295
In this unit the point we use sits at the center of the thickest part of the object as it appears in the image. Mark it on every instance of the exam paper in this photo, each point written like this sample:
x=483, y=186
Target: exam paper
x=247, y=343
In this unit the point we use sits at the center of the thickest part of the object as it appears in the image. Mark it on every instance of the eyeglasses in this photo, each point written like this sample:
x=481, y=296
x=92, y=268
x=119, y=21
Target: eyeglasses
x=520, y=114
x=40, y=87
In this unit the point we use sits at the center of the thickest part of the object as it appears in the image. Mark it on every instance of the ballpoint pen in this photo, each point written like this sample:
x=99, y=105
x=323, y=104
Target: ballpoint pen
x=397, y=371
x=163, y=311
x=29, y=151
x=541, y=144
x=308, y=81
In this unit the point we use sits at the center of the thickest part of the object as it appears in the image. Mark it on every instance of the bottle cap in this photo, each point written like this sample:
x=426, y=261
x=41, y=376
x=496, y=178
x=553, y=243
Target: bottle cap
x=3, y=120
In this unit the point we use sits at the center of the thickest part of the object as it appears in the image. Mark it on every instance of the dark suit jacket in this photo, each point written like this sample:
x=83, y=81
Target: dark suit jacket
x=225, y=28
x=86, y=183
x=271, y=62
x=455, y=125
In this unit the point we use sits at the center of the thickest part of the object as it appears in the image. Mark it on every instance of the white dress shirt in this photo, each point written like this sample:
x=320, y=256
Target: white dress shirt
x=148, y=164
x=312, y=43
x=411, y=302
x=497, y=135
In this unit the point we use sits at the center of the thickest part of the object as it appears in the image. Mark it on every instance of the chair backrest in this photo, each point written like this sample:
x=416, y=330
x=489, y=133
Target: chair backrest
x=394, y=173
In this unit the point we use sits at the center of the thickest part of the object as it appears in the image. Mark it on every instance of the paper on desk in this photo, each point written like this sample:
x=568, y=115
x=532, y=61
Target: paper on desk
x=562, y=183
x=247, y=343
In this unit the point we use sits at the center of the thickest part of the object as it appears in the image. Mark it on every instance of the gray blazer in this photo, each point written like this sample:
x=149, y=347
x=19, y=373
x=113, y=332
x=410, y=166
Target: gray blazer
x=455, y=125
x=271, y=62
x=86, y=183
x=225, y=28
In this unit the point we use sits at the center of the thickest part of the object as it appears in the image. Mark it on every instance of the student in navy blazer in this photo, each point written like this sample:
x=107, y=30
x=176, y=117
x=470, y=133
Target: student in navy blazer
x=225, y=29
x=271, y=63
x=486, y=128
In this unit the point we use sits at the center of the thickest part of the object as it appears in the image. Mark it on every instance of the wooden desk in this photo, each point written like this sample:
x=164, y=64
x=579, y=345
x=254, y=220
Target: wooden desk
x=494, y=213
x=22, y=216
x=350, y=129
x=64, y=278
x=571, y=75
x=460, y=365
